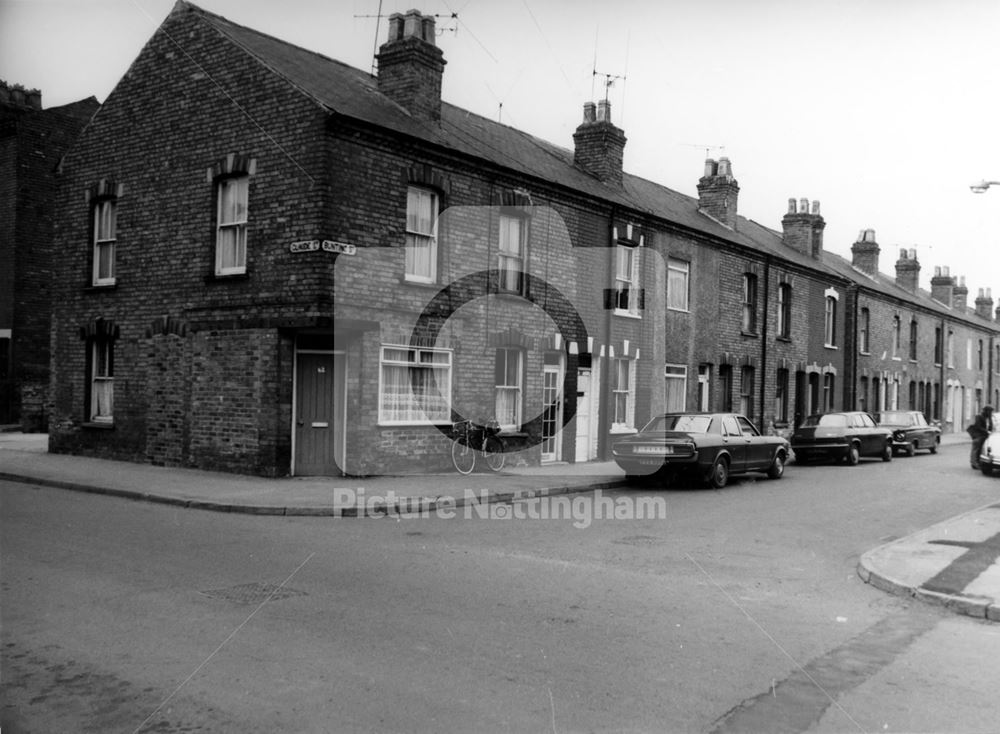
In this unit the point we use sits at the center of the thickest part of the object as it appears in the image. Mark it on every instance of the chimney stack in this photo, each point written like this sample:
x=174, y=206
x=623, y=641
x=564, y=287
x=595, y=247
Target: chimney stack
x=718, y=192
x=941, y=285
x=960, y=295
x=865, y=253
x=803, y=230
x=984, y=303
x=410, y=65
x=908, y=270
x=16, y=95
x=599, y=146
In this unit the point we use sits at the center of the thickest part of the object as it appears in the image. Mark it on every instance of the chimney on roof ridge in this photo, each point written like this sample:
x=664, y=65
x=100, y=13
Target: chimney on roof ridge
x=908, y=270
x=410, y=65
x=15, y=95
x=960, y=295
x=718, y=192
x=599, y=146
x=803, y=231
x=864, y=252
x=941, y=285
x=984, y=303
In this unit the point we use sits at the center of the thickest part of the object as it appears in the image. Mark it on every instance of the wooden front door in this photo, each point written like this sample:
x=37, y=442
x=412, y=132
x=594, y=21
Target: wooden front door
x=319, y=414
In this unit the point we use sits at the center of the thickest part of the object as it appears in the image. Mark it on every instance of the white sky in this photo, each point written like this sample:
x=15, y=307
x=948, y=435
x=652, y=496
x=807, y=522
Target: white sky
x=884, y=110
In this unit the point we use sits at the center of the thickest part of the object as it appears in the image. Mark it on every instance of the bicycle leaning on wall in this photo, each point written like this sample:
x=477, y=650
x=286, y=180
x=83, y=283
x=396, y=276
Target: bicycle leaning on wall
x=469, y=439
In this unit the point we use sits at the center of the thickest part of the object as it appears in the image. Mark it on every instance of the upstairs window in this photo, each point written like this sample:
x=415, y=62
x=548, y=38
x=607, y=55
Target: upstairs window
x=830, y=322
x=785, y=311
x=627, y=280
x=678, y=275
x=105, y=214
x=231, y=225
x=421, y=235
x=749, y=324
x=864, y=331
x=511, y=254
x=913, y=340
x=897, y=336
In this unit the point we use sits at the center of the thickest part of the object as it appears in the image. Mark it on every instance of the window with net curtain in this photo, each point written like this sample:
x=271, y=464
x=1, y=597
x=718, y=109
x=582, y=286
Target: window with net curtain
x=676, y=384
x=510, y=257
x=508, y=376
x=623, y=391
x=415, y=385
x=105, y=237
x=627, y=279
x=231, y=232
x=421, y=235
x=102, y=382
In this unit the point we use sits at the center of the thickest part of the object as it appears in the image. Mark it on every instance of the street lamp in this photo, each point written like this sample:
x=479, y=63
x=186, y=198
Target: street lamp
x=980, y=186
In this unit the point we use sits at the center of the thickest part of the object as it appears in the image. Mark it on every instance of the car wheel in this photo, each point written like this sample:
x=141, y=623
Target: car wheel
x=719, y=474
x=887, y=452
x=853, y=455
x=934, y=446
x=777, y=468
x=911, y=449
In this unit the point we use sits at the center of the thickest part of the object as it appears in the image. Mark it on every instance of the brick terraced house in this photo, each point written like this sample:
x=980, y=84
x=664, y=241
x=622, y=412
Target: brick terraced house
x=278, y=264
x=32, y=140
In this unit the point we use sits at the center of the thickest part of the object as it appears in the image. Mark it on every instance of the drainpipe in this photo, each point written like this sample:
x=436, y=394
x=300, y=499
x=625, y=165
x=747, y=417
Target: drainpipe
x=604, y=409
x=763, y=343
x=942, y=372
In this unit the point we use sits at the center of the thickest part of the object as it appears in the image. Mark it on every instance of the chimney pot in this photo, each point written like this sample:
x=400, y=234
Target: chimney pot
x=803, y=206
x=589, y=112
x=725, y=167
x=815, y=208
x=913, y=253
x=710, y=167
x=791, y=206
x=395, y=27
x=604, y=111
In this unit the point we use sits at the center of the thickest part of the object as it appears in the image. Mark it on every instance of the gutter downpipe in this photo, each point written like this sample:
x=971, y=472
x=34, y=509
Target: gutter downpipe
x=763, y=345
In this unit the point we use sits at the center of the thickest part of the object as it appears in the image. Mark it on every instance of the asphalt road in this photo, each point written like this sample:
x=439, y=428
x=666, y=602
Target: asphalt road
x=737, y=610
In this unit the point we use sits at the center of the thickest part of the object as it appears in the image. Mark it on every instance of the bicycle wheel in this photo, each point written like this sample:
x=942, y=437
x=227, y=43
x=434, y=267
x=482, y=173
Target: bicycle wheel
x=463, y=457
x=493, y=451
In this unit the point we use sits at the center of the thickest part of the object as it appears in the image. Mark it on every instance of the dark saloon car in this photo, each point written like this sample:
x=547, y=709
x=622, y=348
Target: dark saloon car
x=706, y=446
x=841, y=436
x=910, y=431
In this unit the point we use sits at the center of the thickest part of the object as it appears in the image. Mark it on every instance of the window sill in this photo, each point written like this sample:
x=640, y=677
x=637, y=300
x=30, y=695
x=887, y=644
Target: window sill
x=102, y=288
x=627, y=314
x=227, y=277
x=622, y=430
x=751, y=334
x=419, y=283
x=99, y=425
x=786, y=339
x=678, y=310
x=831, y=346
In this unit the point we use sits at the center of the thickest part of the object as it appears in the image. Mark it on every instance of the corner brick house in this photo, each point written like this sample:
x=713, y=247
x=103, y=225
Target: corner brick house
x=279, y=264
x=32, y=140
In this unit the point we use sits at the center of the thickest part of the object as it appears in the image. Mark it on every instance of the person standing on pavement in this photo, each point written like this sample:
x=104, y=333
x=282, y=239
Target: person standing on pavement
x=982, y=427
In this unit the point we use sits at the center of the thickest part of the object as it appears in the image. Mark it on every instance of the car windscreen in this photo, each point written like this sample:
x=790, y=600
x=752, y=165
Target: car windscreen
x=826, y=420
x=686, y=423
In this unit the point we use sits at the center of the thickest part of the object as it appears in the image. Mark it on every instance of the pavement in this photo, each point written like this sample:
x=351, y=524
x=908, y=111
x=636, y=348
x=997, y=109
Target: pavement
x=25, y=458
x=954, y=564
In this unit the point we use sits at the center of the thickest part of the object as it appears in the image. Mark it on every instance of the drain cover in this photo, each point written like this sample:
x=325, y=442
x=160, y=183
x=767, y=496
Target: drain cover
x=254, y=593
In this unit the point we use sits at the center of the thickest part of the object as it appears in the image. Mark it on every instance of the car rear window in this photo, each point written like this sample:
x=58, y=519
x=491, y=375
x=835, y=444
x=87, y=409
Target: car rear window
x=686, y=423
x=897, y=418
x=826, y=420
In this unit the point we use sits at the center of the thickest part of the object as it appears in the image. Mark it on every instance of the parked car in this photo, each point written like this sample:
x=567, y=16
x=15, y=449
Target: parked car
x=910, y=431
x=841, y=436
x=989, y=456
x=706, y=446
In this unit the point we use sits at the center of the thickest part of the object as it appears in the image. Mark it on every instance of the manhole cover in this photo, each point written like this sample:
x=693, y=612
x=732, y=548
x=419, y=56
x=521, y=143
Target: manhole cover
x=637, y=540
x=254, y=593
